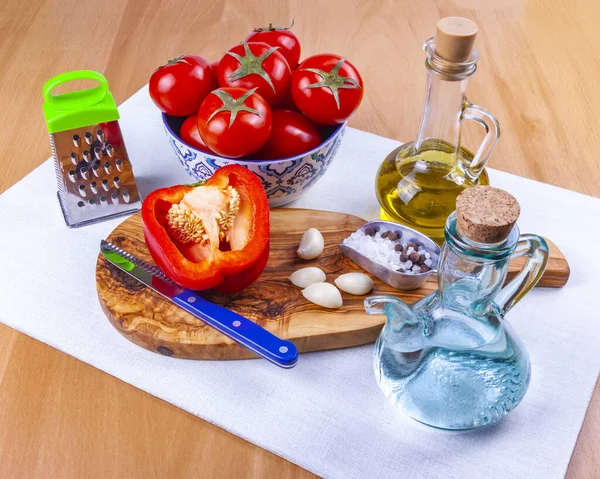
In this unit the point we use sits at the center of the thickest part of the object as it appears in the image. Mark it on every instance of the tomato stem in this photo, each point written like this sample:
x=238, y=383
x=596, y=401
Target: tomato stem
x=251, y=64
x=173, y=61
x=270, y=28
x=333, y=80
x=178, y=59
x=232, y=105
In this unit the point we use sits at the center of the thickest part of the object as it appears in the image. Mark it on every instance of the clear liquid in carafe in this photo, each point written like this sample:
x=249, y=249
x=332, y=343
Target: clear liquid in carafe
x=456, y=389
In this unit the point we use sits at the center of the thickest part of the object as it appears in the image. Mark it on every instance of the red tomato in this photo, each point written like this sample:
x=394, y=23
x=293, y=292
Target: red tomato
x=179, y=87
x=213, y=67
x=189, y=133
x=282, y=37
x=327, y=88
x=292, y=134
x=234, y=122
x=256, y=65
x=287, y=102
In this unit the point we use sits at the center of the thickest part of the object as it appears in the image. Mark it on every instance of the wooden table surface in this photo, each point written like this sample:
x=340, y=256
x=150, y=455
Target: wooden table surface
x=539, y=74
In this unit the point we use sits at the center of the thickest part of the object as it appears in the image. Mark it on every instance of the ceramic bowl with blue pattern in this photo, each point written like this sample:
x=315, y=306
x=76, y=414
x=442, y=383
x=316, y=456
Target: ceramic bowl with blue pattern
x=284, y=180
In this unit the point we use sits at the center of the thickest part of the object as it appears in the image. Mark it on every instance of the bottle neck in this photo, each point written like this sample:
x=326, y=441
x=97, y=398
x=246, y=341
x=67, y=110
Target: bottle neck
x=471, y=274
x=440, y=120
x=444, y=101
x=465, y=282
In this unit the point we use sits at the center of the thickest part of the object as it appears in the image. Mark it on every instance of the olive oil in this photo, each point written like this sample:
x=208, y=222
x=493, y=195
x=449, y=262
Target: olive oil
x=418, y=182
x=420, y=190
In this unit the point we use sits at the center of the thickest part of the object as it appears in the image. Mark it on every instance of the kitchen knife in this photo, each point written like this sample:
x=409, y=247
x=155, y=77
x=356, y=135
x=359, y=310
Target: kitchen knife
x=240, y=329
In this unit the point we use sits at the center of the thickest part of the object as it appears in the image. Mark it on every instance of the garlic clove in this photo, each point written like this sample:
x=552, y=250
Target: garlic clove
x=323, y=294
x=354, y=283
x=311, y=244
x=306, y=276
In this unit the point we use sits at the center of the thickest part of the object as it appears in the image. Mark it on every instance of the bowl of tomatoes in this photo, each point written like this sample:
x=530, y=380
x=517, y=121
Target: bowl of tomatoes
x=259, y=107
x=284, y=179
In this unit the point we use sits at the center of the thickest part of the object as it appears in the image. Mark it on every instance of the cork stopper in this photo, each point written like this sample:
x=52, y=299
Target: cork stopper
x=454, y=39
x=486, y=214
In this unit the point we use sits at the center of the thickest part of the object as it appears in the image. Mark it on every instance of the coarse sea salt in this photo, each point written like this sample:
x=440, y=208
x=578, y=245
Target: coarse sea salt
x=381, y=251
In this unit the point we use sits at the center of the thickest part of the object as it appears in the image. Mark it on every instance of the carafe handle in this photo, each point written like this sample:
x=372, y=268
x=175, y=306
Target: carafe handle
x=536, y=250
x=492, y=135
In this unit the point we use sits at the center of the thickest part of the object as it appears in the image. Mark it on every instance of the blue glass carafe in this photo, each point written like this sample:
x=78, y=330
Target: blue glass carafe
x=451, y=360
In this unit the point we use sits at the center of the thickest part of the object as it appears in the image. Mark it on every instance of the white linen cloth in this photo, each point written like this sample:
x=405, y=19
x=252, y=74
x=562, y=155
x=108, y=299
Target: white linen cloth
x=327, y=414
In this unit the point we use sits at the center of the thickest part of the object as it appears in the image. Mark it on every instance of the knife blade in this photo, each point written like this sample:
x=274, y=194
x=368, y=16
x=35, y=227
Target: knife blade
x=235, y=326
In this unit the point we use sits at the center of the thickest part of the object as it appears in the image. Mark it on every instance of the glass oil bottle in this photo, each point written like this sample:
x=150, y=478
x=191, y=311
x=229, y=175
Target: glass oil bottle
x=418, y=182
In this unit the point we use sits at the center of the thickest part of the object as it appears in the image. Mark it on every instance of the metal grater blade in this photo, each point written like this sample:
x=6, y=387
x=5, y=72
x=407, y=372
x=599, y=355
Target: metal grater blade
x=94, y=175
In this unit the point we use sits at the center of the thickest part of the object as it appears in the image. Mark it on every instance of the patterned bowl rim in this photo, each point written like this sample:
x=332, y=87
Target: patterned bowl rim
x=331, y=137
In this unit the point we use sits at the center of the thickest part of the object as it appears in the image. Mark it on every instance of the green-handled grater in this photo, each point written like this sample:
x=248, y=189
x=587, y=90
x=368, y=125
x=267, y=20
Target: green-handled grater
x=94, y=175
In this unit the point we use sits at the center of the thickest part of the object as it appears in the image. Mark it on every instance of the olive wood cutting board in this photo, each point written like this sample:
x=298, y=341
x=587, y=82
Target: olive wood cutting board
x=149, y=320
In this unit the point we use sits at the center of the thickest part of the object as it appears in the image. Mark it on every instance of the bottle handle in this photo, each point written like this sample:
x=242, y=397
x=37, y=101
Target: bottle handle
x=492, y=135
x=536, y=250
x=76, y=99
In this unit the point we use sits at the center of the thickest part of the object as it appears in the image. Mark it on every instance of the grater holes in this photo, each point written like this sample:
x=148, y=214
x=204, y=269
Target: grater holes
x=74, y=169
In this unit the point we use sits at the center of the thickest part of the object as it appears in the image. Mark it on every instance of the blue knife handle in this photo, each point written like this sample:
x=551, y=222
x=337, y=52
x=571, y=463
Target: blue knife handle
x=240, y=329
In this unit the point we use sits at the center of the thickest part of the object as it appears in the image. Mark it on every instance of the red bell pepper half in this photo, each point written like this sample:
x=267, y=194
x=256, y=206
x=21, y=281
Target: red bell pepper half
x=210, y=236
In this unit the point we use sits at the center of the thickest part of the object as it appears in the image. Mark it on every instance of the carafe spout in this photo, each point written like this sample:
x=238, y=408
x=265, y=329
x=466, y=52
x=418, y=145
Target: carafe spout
x=376, y=304
x=403, y=330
